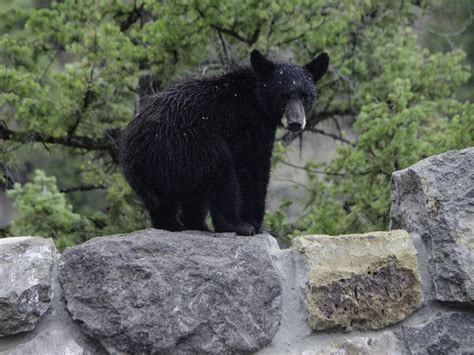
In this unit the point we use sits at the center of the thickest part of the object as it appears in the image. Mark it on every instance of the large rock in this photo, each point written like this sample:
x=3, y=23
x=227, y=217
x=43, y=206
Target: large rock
x=381, y=344
x=25, y=282
x=55, y=334
x=156, y=292
x=449, y=333
x=435, y=198
x=362, y=281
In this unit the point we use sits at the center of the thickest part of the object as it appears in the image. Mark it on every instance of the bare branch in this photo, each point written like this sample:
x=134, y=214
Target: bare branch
x=254, y=37
x=107, y=143
x=291, y=39
x=249, y=41
x=86, y=101
x=228, y=55
x=87, y=187
x=454, y=33
x=314, y=119
x=311, y=170
x=229, y=32
x=132, y=17
x=334, y=136
x=8, y=180
x=233, y=33
x=294, y=183
x=51, y=60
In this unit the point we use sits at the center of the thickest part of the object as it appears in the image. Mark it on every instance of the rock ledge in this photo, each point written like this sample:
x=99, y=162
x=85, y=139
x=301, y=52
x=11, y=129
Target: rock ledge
x=154, y=291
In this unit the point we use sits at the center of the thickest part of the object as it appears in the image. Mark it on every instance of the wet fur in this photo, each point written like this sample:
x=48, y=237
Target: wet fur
x=206, y=145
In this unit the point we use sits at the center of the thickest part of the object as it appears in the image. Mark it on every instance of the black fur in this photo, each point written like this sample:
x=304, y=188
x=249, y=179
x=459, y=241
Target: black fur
x=206, y=144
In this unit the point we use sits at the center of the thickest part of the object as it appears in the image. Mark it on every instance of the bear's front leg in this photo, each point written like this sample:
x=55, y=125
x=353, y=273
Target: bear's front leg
x=254, y=192
x=225, y=207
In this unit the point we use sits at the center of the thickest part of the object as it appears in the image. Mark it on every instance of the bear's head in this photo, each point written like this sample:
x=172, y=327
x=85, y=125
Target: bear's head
x=287, y=91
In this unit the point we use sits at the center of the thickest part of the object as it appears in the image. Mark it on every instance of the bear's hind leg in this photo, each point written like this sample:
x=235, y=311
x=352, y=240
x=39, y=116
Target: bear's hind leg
x=163, y=213
x=194, y=213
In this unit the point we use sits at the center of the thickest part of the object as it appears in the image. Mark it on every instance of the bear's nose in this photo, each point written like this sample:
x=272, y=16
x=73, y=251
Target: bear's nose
x=294, y=126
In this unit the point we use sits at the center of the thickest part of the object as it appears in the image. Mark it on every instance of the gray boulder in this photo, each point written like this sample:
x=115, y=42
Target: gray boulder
x=154, y=291
x=55, y=334
x=25, y=282
x=435, y=199
x=449, y=333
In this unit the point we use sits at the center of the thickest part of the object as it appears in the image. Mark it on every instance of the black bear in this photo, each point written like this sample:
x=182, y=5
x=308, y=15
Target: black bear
x=206, y=144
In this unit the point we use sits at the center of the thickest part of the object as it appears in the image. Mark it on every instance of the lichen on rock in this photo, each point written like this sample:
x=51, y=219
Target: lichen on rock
x=361, y=281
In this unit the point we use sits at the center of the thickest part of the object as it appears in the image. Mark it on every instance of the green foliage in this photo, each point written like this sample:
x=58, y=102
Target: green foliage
x=72, y=74
x=412, y=122
x=43, y=211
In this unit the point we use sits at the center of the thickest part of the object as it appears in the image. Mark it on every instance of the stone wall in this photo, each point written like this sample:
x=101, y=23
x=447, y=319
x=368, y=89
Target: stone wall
x=405, y=291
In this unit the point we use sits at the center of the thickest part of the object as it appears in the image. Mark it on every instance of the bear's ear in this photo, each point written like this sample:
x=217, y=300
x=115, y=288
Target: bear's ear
x=261, y=65
x=318, y=66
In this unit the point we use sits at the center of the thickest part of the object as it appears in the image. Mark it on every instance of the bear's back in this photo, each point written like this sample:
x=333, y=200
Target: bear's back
x=216, y=104
x=197, y=117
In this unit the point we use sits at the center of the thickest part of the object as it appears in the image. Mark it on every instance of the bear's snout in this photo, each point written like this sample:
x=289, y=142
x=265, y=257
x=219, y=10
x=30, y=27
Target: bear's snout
x=294, y=117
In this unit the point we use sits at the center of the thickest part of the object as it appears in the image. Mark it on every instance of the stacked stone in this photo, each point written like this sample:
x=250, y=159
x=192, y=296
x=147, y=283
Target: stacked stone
x=434, y=201
x=406, y=291
x=26, y=265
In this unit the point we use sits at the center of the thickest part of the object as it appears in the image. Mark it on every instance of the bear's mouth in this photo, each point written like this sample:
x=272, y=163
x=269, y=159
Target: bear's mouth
x=294, y=127
x=294, y=117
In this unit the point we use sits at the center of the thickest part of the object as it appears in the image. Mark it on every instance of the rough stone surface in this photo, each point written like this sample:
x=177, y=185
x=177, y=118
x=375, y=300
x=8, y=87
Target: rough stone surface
x=55, y=334
x=446, y=334
x=382, y=344
x=293, y=329
x=435, y=198
x=360, y=281
x=25, y=282
x=155, y=292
